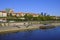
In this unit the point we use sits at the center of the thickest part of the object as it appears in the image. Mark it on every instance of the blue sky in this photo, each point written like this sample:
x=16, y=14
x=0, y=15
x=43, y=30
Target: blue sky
x=51, y=7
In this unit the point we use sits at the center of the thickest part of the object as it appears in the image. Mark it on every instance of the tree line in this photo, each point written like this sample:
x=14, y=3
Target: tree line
x=30, y=18
x=41, y=17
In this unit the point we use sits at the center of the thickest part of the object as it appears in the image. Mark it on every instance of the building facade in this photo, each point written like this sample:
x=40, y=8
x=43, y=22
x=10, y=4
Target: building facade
x=3, y=14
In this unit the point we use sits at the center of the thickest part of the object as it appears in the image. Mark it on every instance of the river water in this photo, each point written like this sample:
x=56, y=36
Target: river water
x=47, y=34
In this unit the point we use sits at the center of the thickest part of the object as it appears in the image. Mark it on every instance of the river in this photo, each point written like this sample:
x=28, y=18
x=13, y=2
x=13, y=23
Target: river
x=47, y=34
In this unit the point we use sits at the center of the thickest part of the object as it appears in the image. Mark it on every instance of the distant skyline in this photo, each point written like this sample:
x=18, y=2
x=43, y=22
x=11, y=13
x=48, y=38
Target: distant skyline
x=51, y=7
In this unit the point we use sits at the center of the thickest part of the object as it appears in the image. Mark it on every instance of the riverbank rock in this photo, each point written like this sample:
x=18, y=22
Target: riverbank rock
x=47, y=27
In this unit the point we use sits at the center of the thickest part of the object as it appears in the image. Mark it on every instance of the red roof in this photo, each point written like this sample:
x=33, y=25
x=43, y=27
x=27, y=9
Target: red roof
x=3, y=11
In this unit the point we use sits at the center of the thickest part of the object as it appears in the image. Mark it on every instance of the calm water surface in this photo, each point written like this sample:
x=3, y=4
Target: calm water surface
x=48, y=34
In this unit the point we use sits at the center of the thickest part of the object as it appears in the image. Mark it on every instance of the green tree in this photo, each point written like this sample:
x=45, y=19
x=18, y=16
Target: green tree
x=35, y=18
x=28, y=17
x=39, y=18
x=7, y=10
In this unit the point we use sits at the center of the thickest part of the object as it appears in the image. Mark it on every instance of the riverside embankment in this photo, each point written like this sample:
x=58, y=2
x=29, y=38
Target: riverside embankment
x=22, y=26
x=8, y=29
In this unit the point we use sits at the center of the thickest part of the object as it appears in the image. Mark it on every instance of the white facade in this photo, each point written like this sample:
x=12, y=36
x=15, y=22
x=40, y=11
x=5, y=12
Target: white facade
x=17, y=15
x=13, y=14
x=22, y=14
x=35, y=15
x=4, y=14
x=0, y=14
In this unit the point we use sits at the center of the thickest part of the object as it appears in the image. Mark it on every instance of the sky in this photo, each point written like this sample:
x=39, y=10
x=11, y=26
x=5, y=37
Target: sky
x=51, y=7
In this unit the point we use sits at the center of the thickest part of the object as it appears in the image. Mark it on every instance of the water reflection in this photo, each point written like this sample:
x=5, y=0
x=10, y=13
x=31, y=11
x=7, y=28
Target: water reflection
x=48, y=34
